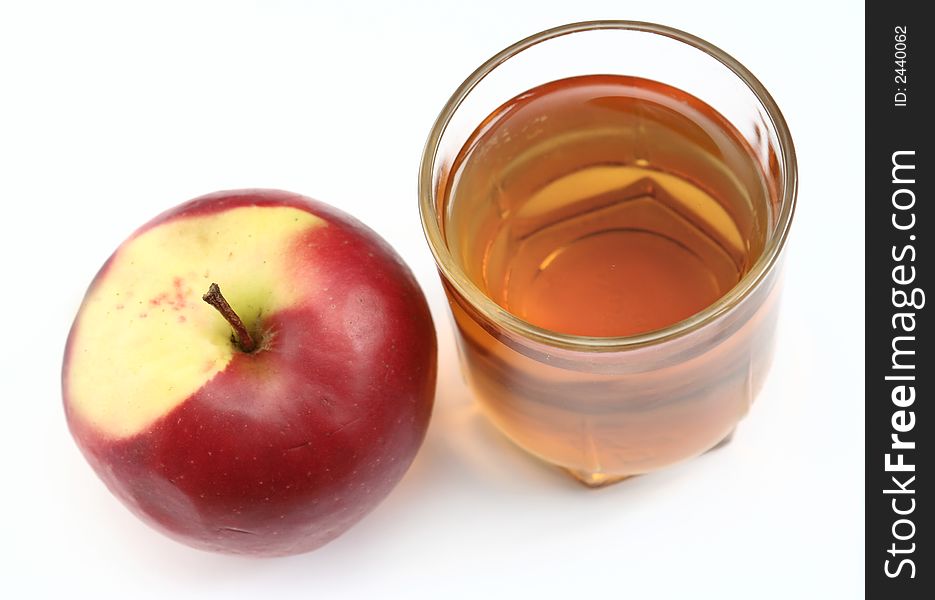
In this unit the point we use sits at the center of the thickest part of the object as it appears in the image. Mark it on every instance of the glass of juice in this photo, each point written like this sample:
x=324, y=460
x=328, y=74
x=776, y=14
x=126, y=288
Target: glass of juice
x=607, y=203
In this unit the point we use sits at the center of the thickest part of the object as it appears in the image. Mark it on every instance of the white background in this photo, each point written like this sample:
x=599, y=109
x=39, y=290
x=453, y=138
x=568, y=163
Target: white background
x=110, y=113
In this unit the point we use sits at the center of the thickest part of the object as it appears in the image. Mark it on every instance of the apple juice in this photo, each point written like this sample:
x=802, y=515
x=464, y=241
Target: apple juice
x=608, y=206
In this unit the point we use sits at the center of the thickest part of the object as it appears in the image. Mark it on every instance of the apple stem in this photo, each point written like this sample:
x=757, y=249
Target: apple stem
x=215, y=299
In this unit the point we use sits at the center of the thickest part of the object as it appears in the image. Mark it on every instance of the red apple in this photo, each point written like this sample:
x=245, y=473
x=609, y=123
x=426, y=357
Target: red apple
x=269, y=438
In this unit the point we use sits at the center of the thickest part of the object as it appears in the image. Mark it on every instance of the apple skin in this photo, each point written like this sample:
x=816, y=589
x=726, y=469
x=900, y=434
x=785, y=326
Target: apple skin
x=242, y=466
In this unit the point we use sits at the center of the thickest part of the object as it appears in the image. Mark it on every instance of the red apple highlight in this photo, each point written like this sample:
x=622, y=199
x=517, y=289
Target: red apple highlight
x=271, y=437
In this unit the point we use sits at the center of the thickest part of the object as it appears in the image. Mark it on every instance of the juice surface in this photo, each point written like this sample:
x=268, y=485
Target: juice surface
x=605, y=206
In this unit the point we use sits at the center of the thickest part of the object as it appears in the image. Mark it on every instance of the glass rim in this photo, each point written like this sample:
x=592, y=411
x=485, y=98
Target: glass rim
x=495, y=313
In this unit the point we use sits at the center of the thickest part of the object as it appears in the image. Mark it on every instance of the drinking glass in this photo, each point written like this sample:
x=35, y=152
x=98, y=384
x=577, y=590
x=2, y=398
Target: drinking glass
x=605, y=408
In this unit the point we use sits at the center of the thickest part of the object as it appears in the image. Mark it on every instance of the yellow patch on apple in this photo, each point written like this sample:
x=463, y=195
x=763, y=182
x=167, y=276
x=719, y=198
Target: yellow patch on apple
x=144, y=340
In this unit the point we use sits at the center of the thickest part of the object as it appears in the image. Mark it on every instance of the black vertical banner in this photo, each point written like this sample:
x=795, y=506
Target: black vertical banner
x=900, y=370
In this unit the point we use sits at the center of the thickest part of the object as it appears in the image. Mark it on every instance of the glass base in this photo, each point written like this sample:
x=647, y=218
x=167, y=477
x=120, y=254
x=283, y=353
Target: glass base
x=727, y=439
x=597, y=480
